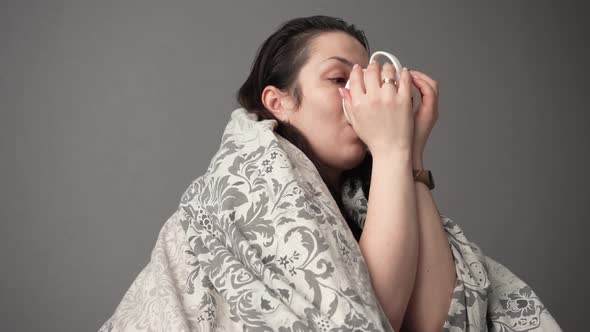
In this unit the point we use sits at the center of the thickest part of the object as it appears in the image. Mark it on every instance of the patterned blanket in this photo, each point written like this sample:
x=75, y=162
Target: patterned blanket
x=259, y=244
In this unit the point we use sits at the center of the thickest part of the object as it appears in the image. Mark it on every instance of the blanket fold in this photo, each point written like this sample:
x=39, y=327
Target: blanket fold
x=258, y=243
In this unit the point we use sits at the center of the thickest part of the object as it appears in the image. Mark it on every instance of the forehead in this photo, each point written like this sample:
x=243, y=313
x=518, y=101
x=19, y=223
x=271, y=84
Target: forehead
x=340, y=44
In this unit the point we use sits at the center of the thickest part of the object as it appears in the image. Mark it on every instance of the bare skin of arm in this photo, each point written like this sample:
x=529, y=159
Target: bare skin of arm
x=435, y=279
x=389, y=241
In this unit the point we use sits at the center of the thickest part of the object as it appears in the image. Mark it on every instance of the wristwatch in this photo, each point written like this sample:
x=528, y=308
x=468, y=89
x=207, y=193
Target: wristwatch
x=424, y=176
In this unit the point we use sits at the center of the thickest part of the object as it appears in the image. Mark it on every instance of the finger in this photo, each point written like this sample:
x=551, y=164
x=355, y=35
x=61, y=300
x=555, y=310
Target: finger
x=405, y=83
x=419, y=75
x=429, y=98
x=388, y=72
x=373, y=79
x=425, y=88
x=357, y=86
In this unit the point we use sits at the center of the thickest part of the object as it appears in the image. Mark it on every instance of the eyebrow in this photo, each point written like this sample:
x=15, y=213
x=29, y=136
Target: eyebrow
x=341, y=59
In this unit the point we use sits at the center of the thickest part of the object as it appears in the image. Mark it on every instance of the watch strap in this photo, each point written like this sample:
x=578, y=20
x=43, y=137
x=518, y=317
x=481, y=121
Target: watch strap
x=424, y=176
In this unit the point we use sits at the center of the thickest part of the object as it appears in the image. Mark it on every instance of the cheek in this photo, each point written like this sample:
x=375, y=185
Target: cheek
x=328, y=100
x=332, y=108
x=323, y=112
x=325, y=132
x=335, y=100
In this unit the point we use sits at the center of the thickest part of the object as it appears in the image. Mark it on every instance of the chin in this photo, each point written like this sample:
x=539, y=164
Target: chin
x=354, y=155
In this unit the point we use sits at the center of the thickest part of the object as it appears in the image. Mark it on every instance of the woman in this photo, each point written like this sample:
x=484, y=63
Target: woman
x=303, y=93
x=253, y=247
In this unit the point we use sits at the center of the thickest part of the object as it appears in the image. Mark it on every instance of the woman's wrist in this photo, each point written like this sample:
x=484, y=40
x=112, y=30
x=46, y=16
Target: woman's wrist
x=396, y=157
x=417, y=163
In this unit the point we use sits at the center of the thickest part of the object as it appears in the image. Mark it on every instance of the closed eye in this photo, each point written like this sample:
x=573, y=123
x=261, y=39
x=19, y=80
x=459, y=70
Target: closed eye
x=342, y=79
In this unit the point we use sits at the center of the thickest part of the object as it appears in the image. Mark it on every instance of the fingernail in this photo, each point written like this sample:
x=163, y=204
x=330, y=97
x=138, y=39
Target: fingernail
x=405, y=69
x=355, y=66
x=341, y=92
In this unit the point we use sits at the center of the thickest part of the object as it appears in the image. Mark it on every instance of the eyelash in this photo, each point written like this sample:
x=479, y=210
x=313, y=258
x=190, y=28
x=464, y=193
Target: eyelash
x=337, y=78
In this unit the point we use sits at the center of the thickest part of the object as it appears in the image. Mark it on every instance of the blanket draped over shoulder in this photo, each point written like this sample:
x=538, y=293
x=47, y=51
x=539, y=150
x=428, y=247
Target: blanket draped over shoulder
x=258, y=243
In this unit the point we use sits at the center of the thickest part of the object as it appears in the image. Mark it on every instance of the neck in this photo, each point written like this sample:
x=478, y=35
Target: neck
x=332, y=178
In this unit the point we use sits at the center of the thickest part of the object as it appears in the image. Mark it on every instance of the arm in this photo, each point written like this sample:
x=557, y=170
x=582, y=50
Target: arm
x=435, y=279
x=389, y=242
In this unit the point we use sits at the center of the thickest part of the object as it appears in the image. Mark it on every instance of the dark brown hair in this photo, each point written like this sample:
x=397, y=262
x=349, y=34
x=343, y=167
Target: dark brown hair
x=278, y=62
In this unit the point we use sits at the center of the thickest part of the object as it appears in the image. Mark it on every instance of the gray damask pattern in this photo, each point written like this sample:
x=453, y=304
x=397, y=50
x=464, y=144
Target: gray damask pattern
x=259, y=244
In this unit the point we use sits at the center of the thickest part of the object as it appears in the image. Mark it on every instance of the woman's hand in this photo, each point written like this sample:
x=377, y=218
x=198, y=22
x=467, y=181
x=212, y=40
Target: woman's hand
x=380, y=114
x=426, y=115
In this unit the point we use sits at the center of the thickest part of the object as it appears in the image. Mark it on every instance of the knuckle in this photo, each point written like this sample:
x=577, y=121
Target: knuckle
x=402, y=101
x=389, y=98
x=390, y=104
x=373, y=101
x=388, y=67
x=356, y=74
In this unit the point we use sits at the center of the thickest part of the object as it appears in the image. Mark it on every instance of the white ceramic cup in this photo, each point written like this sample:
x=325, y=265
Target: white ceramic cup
x=414, y=92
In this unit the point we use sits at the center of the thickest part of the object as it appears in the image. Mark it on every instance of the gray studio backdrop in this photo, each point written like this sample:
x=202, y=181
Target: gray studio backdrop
x=109, y=109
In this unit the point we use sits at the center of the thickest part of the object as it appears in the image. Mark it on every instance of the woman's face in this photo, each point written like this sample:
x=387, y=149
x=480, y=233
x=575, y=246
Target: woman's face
x=320, y=117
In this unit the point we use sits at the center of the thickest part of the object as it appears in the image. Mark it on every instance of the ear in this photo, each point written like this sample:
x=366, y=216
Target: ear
x=279, y=103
